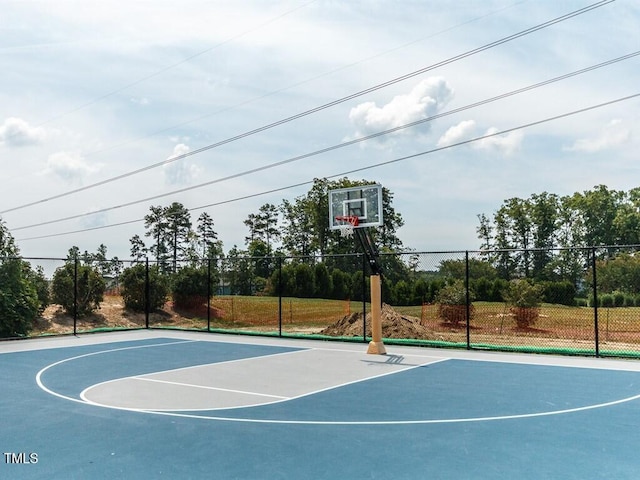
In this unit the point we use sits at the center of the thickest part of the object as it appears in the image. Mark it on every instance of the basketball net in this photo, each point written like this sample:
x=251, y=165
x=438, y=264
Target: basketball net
x=348, y=222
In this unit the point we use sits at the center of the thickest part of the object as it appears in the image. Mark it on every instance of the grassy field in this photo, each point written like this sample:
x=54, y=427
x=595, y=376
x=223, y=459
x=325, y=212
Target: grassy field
x=491, y=324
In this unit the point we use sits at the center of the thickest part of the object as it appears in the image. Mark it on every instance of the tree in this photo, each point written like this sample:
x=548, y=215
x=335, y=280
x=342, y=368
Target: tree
x=306, y=222
x=178, y=229
x=134, y=287
x=8, y=246
x=23, y=292
x=263, y=226
x=155, y=225
x=138, y=248
x=210, y=246
x=297, y=232
x=237, y=272
x=544, y=217
x=19, y=302
x=81, y=278
x=598, y=209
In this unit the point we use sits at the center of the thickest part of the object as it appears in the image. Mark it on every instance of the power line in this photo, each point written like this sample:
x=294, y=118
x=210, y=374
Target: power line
x=338, y=146
x=297, y=84
x=368, y=167
x=322, y=107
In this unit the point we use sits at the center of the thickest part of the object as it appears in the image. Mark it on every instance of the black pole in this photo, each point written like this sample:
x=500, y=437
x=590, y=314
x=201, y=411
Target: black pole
x=468, y=298
x=208, y=295
x=279, y=296
x=75, y=295
x=595, y=300
x=364, y=298
x=147, y=292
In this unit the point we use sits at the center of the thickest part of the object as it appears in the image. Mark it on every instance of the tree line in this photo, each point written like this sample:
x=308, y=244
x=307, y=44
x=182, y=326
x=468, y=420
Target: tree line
x=290, y=250
x=547, y=237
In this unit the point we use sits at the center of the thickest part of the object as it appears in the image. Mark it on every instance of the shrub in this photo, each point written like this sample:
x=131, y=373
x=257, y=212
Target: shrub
x=452, y=302
x=605, y=300
x=402, y=293
x=562, y=293
x=41, y=285
x=90, y=288
x=420, y=292
x=190, y=287
x=18, y=299
x=323, y=283
x=304, y=281
x=524, y=299
x=341, y=284
x=134, y=287
x=618, y=299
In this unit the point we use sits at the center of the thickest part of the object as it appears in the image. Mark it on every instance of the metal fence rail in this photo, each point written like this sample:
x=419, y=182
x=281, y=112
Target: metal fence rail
x=588, y=299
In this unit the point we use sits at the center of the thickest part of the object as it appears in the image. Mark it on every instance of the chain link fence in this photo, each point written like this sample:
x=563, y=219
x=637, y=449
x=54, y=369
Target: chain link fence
x=581, y=301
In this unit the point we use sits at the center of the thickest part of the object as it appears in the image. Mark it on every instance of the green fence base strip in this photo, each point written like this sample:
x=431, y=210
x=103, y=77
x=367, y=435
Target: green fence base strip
x=388, y=341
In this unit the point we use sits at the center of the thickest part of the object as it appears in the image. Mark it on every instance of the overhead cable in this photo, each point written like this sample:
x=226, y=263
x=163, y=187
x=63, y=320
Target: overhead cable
x=334, y=147
x=367, y=167
x=321, y=107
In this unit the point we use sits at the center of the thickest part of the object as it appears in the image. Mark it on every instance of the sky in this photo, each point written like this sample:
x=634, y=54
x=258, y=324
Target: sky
x=97, y=102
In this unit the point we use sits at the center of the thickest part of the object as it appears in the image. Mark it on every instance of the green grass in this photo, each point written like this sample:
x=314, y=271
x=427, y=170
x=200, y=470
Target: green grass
x=264, y=311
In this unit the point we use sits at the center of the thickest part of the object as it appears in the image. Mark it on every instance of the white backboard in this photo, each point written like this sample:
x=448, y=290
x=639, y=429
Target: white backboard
x=364, y=201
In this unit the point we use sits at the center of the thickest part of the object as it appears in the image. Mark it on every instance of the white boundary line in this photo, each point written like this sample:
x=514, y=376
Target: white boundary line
x=314, y=422
x=59, y=395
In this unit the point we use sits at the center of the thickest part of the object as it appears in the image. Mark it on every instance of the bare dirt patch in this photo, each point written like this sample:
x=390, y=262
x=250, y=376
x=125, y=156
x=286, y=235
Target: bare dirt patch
x=394, y=325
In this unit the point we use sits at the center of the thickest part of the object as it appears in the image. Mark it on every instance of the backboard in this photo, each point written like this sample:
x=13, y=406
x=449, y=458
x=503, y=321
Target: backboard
x=364, y=202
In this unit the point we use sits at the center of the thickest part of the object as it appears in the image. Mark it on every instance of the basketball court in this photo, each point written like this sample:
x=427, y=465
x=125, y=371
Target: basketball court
x=154, y=404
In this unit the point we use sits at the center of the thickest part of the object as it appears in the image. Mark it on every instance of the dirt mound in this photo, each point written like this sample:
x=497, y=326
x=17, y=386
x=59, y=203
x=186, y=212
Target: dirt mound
x=394, y=325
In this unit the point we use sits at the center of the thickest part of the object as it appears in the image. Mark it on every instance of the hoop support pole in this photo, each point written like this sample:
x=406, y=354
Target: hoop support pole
x=376, y=346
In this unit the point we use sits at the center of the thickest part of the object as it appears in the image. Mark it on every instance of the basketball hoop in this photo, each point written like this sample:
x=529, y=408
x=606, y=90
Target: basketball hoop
x=348, y=222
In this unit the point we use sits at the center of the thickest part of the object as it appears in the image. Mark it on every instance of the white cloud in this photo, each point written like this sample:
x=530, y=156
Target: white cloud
x=615, y=133
x=16, y=132
x=424, y=100
x=69, y=166
x=505, y=144
x=143, y=101
x=180, y=172
x=458, y=133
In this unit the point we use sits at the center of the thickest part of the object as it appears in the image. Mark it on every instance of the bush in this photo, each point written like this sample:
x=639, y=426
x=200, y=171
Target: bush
x=41, y=285
x=402, y=293
x=90, y=289
x=452, y=302
x=323, y=283
x=618, y=299
x=605, y=300
x=190, y=286
x=19, y=302
x=524, y=299
x=561, y=293
x=341, y=284
x=134, y=286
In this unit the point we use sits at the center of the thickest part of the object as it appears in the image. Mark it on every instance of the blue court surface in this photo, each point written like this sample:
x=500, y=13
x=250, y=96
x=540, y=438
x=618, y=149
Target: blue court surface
x=181, y=405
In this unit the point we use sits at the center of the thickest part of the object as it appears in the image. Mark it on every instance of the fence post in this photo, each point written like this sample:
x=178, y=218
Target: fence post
x=595, y=300
x=279, y=296
x=75, y=295
x=208, y=295
x=467, y=298
x=147, y=293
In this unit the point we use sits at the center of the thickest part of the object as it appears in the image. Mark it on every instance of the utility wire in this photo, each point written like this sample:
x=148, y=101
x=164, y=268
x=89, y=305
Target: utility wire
x=367, y=167
x=294, y=85
x=324, y=106
x=338, y=146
